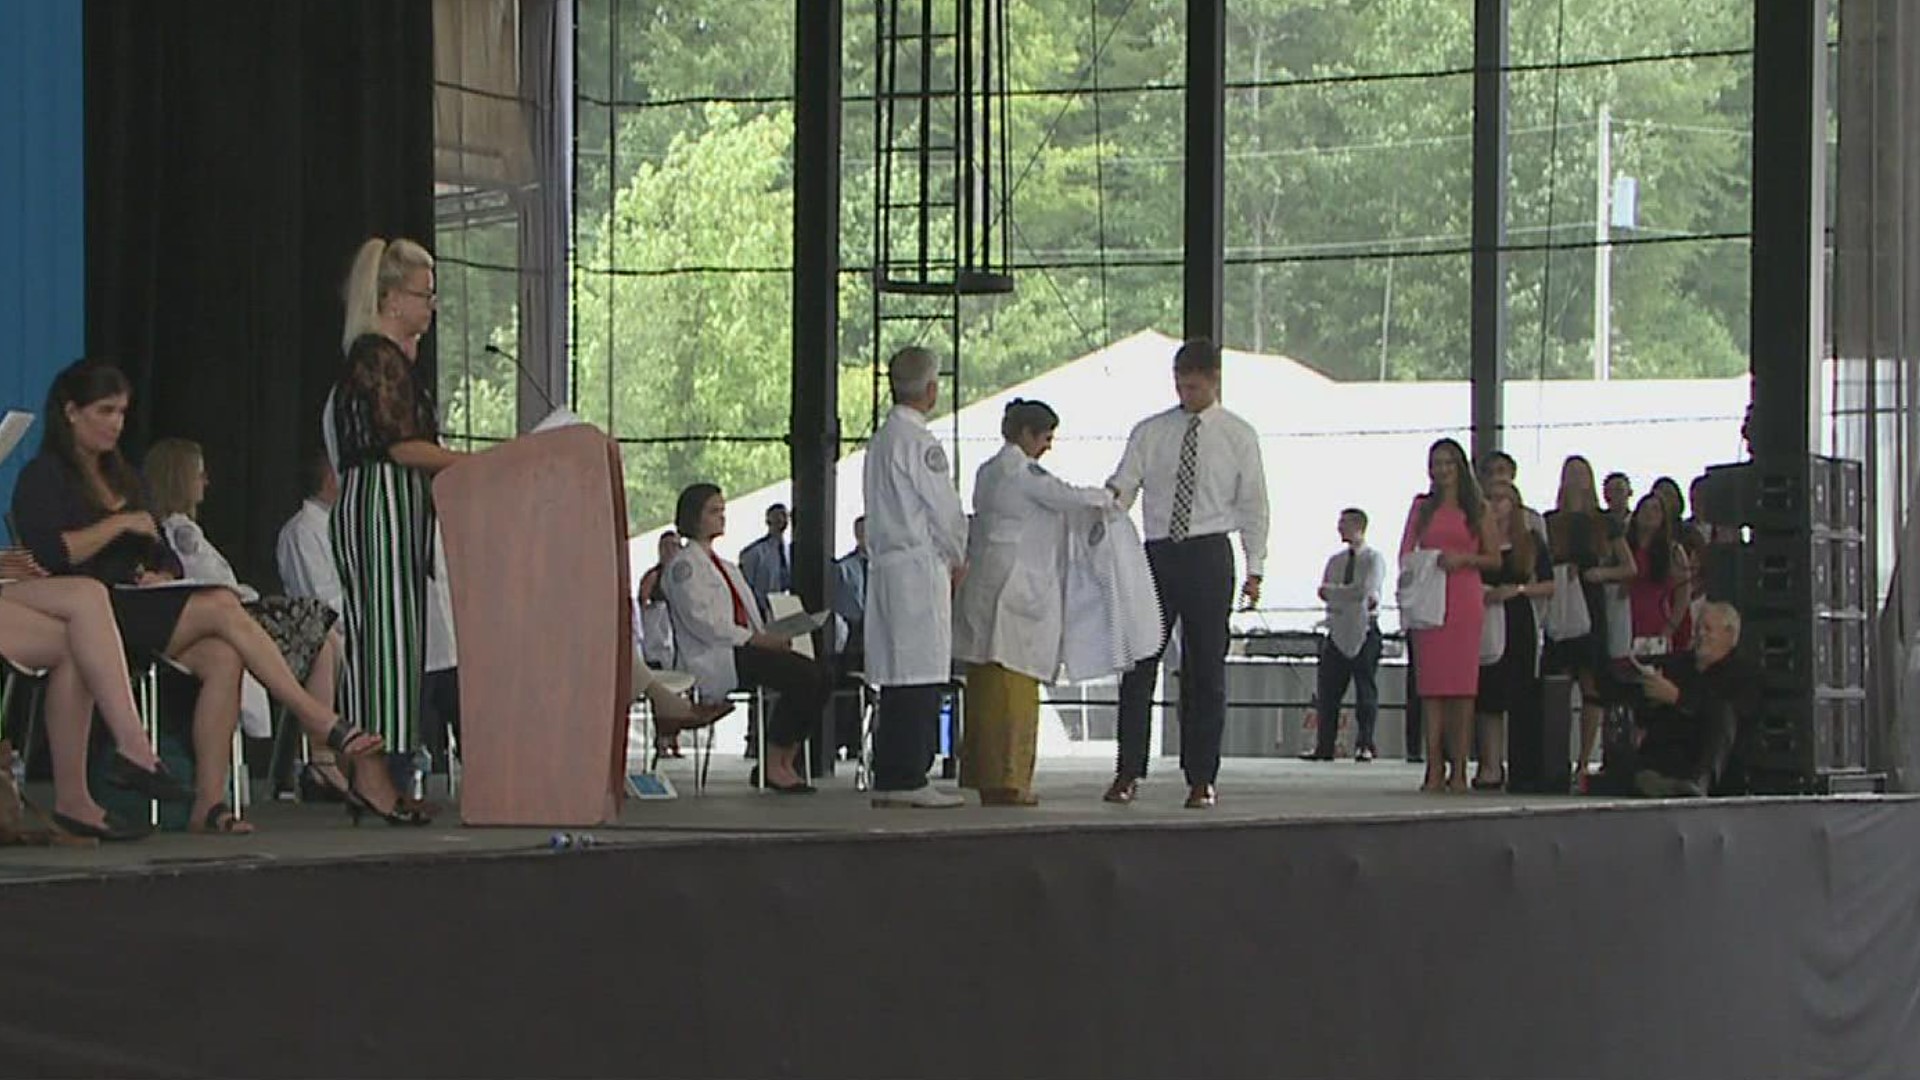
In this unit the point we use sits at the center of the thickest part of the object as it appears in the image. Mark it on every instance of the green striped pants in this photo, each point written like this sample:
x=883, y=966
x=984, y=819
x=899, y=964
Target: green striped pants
x=382, y=531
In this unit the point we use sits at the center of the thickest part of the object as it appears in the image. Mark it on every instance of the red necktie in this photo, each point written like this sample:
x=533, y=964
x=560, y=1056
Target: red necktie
x=739, y=605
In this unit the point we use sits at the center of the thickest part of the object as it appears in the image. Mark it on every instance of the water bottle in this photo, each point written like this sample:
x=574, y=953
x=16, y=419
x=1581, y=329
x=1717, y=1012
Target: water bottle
x=19, y=770
x=422, y=766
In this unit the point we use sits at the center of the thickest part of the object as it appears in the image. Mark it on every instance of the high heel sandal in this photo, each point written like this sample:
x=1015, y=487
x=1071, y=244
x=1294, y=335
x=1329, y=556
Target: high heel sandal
x=316, y=784
x=343, y=735
x=400, y=814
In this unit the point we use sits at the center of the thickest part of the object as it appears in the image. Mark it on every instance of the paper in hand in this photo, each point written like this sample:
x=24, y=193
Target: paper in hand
x=12, y=428
x=798, y=624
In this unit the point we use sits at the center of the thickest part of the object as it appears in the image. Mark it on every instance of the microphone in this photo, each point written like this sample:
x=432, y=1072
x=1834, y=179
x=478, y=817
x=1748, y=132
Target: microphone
x=531, y=381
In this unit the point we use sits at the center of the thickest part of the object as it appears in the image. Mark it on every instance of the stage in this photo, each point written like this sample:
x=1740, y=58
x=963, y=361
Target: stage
x=1324, y=920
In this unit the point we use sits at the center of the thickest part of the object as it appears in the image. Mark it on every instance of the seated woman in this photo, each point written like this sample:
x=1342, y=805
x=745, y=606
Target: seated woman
x=78, y=508
x=303, y=629
x=64, y=626
x=723, y=644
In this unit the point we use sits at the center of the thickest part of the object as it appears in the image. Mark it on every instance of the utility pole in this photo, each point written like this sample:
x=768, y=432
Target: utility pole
x=1603, y=250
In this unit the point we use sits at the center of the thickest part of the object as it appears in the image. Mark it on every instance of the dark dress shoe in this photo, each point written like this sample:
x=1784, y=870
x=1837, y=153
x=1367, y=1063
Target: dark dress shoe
x=111, y=831
x=1315, y=755
x=1201, y=797
x=156, y=783
x=1122, y=790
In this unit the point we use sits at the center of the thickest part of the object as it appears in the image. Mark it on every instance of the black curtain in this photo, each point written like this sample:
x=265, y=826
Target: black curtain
x=237, y=153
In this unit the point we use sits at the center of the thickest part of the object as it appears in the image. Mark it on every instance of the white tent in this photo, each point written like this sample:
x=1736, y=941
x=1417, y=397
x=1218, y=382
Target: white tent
x=1327, y=445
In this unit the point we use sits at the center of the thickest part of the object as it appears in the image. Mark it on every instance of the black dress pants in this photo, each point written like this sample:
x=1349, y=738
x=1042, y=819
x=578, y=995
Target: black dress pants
x=799, y=683
x=1195, y=580
x=1336, y=670
x=906, y=735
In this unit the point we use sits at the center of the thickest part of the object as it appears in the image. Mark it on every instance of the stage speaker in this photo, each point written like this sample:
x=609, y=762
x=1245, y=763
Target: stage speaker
x=1540, y=739
x=1774, y=495
x=1798, y=577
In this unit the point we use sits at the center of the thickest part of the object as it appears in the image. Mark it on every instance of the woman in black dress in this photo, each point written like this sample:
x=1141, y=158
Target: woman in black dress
x=1525, y=575
x=64, y=626
x=1585, y=539
x=78, y=509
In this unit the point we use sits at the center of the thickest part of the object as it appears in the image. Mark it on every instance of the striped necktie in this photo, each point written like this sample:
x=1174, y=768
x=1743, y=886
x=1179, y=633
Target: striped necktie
x=1183, y=481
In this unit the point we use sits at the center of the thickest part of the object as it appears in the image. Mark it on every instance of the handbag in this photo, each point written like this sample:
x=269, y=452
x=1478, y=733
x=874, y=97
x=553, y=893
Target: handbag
x=1422, y=590
x=1567, y=615
x=1493, y=634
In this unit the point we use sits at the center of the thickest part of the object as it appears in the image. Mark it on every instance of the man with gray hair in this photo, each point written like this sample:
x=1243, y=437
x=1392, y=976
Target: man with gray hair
x=916, y=551
x=1692, y=711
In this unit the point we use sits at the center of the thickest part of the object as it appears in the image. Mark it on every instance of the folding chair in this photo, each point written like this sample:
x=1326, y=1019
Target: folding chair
x=870, y=715
x=762, y=701
x=12, y=673
x=148, y=687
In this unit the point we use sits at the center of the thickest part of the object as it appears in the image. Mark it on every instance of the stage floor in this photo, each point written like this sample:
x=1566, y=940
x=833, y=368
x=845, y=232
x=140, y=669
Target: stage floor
x=1252, y=791
x=747, y=934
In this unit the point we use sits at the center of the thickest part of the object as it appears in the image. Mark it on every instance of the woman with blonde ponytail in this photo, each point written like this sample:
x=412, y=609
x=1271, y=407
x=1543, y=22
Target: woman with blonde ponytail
x=384, y=428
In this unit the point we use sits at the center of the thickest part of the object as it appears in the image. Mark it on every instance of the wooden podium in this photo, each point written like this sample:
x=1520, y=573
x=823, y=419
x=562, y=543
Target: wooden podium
x=536, y=543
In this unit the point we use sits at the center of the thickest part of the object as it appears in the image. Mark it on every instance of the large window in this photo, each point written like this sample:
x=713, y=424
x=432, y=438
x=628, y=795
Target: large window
x=1349, y=183
x=483, y=171
x=1629, y=215
x=683, y=243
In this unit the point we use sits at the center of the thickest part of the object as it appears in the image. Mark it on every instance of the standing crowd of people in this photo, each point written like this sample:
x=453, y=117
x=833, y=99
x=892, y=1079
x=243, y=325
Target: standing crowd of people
x=114, y=569
x=1606, y=594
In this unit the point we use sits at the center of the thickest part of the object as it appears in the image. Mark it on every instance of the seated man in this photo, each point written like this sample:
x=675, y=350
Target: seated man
x=1692, y=710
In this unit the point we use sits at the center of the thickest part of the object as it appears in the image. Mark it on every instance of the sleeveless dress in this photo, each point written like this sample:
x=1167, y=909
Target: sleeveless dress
x=1446, y=658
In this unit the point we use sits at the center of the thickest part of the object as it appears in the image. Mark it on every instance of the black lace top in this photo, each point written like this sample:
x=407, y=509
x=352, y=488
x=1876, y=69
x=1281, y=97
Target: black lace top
x=378, y=402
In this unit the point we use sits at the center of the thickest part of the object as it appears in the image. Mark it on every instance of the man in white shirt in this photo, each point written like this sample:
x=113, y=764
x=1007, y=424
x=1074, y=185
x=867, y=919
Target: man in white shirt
x=1350, y=652
x=304, y=551
x=917, y=539
x=1200, y=471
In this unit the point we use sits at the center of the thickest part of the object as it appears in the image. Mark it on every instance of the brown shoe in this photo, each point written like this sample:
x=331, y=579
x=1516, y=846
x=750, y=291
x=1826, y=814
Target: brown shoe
x=1201, y=797
x=1122, y=790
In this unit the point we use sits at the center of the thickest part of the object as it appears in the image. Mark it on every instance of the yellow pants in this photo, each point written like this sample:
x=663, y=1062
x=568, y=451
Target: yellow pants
x=1003, y=725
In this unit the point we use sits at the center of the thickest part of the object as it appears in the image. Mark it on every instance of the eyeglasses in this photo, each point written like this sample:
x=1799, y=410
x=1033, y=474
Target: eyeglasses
x=428, y=295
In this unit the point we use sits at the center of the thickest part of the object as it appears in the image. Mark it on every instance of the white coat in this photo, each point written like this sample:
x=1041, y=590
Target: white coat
x=704, y=633
x=201, y=561
x=1113, y=606
x=1009, y=608
x=916, y=536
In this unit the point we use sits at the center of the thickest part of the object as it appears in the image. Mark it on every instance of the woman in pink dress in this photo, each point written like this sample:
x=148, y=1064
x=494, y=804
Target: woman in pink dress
x=1452, y=519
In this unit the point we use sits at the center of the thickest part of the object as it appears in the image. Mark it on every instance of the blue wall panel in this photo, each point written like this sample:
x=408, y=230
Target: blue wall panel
x=42, y=211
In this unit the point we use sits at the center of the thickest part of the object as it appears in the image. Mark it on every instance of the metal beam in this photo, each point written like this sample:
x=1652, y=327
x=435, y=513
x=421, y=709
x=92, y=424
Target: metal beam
x=1789, y=224
x=814, y=423
x=1488, y=363
x=1206, y=159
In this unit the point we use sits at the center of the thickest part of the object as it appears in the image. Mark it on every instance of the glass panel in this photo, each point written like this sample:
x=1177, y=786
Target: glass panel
x=1630, y=207
x=1546, y=32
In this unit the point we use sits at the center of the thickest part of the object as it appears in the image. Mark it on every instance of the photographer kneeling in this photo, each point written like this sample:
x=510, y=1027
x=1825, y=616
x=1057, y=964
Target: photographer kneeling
x=1690, y=710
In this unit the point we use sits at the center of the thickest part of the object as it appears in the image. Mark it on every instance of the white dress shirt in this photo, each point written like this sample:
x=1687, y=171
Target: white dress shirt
x=304, y=554
x=1230, y=482
x=1352, y=607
